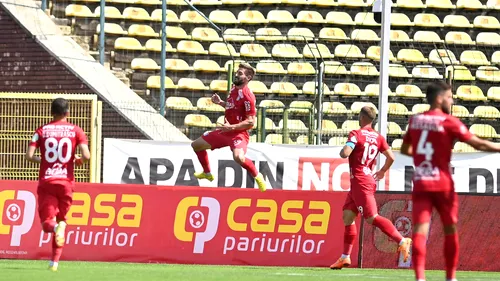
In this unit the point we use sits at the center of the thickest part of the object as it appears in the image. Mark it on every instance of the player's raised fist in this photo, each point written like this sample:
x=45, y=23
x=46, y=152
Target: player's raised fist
x=216, y=99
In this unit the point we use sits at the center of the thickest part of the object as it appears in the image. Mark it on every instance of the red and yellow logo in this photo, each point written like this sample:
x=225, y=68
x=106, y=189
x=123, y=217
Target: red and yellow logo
x=17, y=213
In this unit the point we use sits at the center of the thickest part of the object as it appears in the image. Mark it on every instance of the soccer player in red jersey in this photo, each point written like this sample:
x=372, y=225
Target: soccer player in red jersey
x=429, y=140
x=362, y=148
x=57, y=141
x=240, y=117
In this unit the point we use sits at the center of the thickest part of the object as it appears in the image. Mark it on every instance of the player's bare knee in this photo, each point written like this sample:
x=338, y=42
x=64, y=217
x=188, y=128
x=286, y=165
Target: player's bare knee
x=348, y=217
x=238, y=158
x=371, y=219
x=450, y=229
x=421, y=228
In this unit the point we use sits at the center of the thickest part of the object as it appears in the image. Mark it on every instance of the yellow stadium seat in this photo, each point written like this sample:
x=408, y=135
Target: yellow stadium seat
x=254, y=50
x=176, y=32
x=78, y=11
x=274, y=139
x=332, y=34
x=426, y=71
x=280, y=16
x=251, y=17
x=493, y=4
x=364, y=18
x=153, y=82
x=206, y=2
x=155, y=45
x=411, y=4
x=269, y=34
x=373, y=53
x=222, y=49
x=272, y=106
x=234, y=63
x=258, y=87
x=309, y=88
x=459, y=72
x=483, y=130
x=486, y=22
x=399, y=35
x=358, y=105
x=142, y=30
x=396, y=144
x=266, y=2
x=420, y=108
x=205, y=34
x=397, y=70
x=364, y=35
x=207, y=66
x=440, y=4
x=347, y=89
x=364, y=68
x=285, y=51
x=470, y=93
x=295, y=2
x=252, y=139
x=459, y=111
x=348, y=51
x=339, y=18
x=128, y=43
x=191, y=47
x=109, y=12
x=396, y=108
x=300, y=34
x=486, y=111
x=352, y=3
x=147, y=64
x=284, y=88
x=270, y=66
x=494, y=93
x=136, y=13
x=268, y=124
x=335, y=68
x=350, y=125
x=440, y=56
x=470, y=4
x=111, y=28
x=198, y=120
x=462, y=147
x=488, y=73
x=236, y=2
x=223, y=17
x=337, y=141
x=458, y=37
x=411, y=55
x=293, y=125
x=374, y=89
x=427, y=36
x=334, y=108
x=219, y=85
x=400, y=19
x=206, y=104
x=179, y=103
x=427, y=20
x=302, y=140
x=192, y=84
x=495, y=57
x=488, y=38
x=470, y=57
x=171, y=16
x=393, y=129
x=237, y=35
x=409, y=91
x=301, y=107
x=324, y=3
x=457, y=21
x=317, y=50
x=192, y=17
x=301, y=68
x=310, y=17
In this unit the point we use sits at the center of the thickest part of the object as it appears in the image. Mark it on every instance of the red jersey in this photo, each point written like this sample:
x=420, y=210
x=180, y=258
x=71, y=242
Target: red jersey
x=366, y=144
x=432, y=135
x=240, y=104
x=57, y=141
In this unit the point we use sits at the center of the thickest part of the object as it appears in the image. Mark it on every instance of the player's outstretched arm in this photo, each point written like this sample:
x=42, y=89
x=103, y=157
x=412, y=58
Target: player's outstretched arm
x=30, y=155
x=483, y=145
x=217, y=100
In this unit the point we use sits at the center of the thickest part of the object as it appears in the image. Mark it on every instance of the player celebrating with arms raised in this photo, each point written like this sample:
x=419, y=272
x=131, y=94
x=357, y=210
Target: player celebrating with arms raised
x=429, y=140
x=240, y=117
x=57, y=141
x=362, y=147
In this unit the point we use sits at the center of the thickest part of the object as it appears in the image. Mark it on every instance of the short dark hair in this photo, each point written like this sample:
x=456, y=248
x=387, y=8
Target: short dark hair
x=435, y=89
x=249, y=70
x=369, y=112
x=59, y=107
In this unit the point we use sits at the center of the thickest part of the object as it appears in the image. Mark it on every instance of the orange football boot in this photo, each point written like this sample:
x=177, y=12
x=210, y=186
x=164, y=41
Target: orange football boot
x=405, y=249
x=341, y=263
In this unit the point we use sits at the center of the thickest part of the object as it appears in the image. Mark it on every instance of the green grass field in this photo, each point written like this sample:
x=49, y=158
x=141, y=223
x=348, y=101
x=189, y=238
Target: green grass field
x=11, y=270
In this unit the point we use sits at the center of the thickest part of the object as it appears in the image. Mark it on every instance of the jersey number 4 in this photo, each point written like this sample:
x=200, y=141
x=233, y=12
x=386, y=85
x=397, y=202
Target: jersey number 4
x=424, y=147
x=369, y=154
x=54, y=150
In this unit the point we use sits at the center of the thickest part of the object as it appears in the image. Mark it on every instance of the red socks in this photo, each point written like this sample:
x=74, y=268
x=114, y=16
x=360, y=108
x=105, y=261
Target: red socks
x=451, y=254
x=350, y=233
x=418, y=255
x=250, y=167
x=203, y=157
x=388, y=228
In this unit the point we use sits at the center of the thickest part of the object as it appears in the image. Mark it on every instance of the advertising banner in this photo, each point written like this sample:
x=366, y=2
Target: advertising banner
x=289, y=167
x=131, y=223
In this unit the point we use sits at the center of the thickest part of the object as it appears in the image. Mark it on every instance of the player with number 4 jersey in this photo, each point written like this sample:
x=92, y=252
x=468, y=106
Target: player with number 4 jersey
x=362, y=148
x=57, y=141
x=429, y=140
